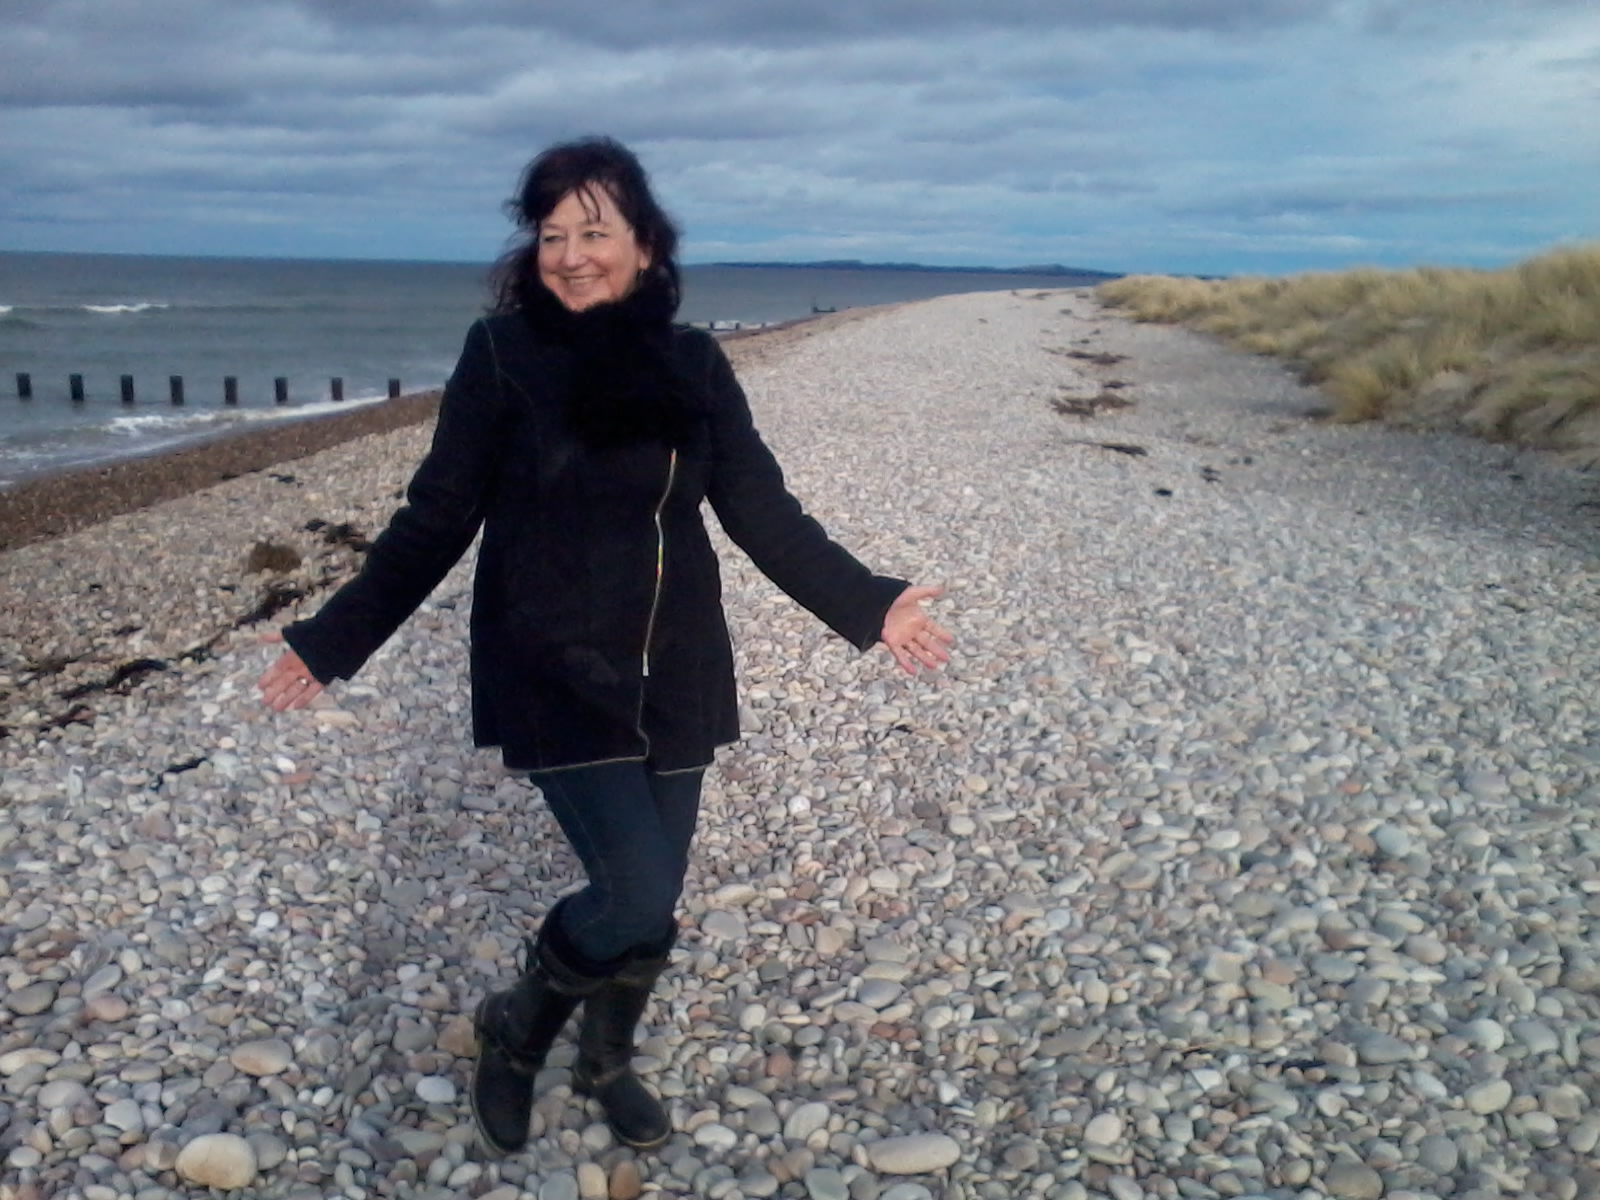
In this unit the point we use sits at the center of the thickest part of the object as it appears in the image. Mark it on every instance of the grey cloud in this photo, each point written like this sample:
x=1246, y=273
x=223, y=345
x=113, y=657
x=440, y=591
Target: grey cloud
x=951, y=125
x=633, y=23
x=1459, y=20
x=1586, y=64
x=224, y=69
x=1340, y=199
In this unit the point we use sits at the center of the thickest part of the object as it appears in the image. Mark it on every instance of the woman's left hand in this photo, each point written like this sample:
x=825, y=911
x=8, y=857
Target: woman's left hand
x=913, y=637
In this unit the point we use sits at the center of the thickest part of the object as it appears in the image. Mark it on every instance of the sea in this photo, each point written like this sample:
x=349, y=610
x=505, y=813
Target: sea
x=103, y=317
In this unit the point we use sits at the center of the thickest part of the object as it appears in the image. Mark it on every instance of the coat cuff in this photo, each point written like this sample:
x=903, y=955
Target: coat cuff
x=881, y=593
x=320, y=658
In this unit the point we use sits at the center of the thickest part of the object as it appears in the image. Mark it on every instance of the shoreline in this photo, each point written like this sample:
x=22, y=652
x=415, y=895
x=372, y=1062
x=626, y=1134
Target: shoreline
x=64, y=502
x=58, y=503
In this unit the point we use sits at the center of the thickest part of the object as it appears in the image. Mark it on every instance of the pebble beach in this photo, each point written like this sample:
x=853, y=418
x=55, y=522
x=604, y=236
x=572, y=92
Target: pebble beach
x=1249, y=847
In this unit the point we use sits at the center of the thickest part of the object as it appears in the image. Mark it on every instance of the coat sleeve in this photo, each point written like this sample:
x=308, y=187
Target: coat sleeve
x=748, y=494
x=444, y=506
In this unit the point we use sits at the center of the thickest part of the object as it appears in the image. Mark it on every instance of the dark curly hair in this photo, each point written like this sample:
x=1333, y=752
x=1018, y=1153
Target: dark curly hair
x=581, y=166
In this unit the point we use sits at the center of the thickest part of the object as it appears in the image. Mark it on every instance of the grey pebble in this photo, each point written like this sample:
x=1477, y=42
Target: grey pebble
x=1438, y=1154
x=31, y=999
x=1382, y=1049
x=1353, y=1181
x=824, y=1183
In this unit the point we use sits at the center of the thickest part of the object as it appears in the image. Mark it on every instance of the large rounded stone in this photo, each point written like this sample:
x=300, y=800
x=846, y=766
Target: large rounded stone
x=915, y=1154
x=459, y=1038
x=805, y=1120
x=1104, y=1130
x=724, y=926
x=125, y=1115
x=107, y=1006
x=591, y=1181
x=32, y=1000
x=1354, y=1181
x=1382, y=1049
x=219, y=1160
x=1488, y=1097
x=436, y=1089
x=270, y=1056
x=62, y=1093
x=28, y=1056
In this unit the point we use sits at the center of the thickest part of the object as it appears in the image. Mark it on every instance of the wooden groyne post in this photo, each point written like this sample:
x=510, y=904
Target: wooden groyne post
x=230, y=388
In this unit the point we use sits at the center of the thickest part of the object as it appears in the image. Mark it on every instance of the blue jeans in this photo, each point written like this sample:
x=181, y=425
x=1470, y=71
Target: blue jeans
x=631, y=827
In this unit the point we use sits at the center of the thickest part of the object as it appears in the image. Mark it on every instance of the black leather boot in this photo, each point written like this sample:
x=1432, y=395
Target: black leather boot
x=515, y=1029
x=604, y=1068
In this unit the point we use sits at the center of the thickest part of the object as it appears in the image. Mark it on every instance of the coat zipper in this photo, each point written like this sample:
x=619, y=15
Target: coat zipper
x=655, y=598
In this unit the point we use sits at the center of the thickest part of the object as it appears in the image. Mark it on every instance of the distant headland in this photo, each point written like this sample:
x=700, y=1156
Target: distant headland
x=1055, y=270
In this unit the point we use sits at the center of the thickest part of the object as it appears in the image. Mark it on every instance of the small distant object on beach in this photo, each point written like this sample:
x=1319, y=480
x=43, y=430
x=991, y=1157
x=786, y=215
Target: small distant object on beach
x=1131, y=449
x=1089, y=406
x=1099, y=358
x=743, y=328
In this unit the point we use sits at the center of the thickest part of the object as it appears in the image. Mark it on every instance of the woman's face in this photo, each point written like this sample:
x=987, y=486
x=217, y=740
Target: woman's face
x=588, y=254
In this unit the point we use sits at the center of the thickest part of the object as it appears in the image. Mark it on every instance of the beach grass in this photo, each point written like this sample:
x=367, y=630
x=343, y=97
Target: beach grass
x=1511, y=354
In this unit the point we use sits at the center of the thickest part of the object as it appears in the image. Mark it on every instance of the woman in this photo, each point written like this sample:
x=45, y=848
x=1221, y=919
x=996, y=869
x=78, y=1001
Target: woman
x=581, y=430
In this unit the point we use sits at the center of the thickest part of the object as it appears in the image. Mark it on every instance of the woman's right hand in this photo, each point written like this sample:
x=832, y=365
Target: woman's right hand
x=287, y=683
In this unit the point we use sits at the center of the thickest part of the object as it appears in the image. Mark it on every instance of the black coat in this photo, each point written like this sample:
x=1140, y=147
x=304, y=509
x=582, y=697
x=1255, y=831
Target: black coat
x=597, y=626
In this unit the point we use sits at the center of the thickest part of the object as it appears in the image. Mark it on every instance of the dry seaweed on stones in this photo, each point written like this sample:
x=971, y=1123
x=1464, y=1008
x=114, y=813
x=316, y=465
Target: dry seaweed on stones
x=275, y=597
x=1099, y=358
x=132, y=672
x=52, y=665
x=271, y=556
x=203, y=651
x=181, y=767
x=342, y=534
x=125, y=673
x=1131, y=449
x=78, y=714
x=1089, y=406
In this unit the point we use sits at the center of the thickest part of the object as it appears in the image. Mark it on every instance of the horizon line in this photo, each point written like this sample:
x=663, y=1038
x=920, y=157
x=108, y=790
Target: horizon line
x=834, y=263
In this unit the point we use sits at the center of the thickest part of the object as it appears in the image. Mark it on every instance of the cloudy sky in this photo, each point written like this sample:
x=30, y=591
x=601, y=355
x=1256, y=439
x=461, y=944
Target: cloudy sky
x=1166, y=135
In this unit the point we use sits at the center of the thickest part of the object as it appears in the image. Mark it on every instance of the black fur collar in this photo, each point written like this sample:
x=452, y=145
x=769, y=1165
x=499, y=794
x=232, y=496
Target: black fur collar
x=626, y=388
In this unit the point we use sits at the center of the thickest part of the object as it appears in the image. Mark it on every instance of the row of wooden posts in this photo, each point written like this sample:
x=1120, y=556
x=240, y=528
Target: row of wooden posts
x=230, y=388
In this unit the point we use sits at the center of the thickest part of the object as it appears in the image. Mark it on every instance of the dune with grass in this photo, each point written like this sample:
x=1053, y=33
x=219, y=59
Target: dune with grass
x=1511, y=355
